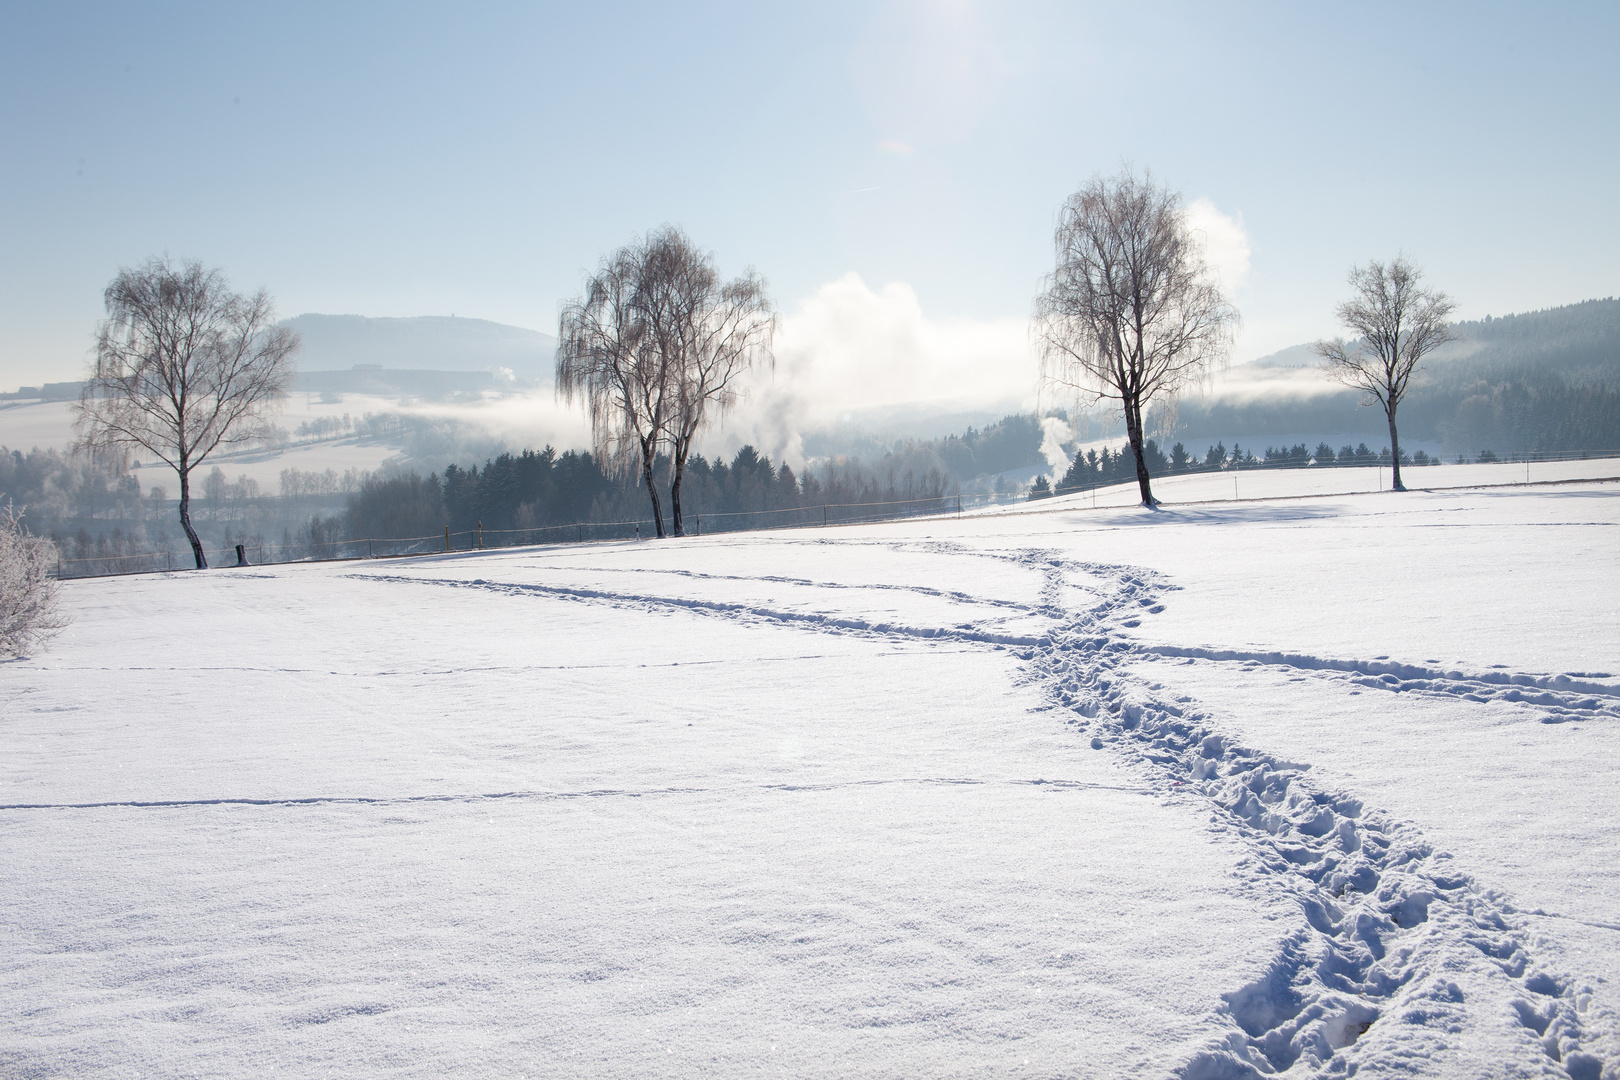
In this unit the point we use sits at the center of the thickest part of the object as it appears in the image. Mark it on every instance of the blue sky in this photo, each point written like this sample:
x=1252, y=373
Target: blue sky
x=398, y=160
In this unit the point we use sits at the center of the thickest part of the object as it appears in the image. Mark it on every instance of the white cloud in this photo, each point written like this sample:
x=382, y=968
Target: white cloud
x=1055, y=434
x=523, y=420
x=1226, y=244
x=848, y=347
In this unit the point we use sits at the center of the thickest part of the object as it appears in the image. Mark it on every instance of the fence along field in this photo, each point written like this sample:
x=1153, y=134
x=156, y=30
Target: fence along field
x=479, y=538
x=1351, y=479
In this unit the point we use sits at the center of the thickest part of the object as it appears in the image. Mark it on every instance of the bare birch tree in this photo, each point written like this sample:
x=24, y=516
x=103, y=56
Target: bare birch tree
x=1397, y=323
x=711, y=331
x=655, y=348
x=606, y=356
x=1130, y=313
x=183, y=367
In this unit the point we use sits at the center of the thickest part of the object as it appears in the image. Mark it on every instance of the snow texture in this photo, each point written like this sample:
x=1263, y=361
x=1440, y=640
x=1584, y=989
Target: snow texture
x=1318, y=786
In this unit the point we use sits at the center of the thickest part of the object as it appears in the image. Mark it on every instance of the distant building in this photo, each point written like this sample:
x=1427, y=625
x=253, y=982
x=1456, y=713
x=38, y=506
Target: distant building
x=51, y=391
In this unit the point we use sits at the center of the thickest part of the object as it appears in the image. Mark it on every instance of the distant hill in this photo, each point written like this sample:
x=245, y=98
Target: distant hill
x=1577, y=341
x=1544, y=380
x=1541, y=380
x=429, y=342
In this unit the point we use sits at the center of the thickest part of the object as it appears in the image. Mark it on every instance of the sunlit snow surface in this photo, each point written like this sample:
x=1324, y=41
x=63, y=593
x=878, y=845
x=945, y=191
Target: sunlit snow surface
x=1314, y=785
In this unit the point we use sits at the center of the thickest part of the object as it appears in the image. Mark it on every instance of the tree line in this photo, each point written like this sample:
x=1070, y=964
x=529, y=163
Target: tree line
x=1094, y=468
x=543, y=489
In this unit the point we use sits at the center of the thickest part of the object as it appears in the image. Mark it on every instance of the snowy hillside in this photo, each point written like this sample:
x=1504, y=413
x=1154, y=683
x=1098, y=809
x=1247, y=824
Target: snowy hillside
x=1315, y=785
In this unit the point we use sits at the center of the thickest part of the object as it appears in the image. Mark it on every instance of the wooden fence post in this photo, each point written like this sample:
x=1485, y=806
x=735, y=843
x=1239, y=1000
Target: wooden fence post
x=447, y=538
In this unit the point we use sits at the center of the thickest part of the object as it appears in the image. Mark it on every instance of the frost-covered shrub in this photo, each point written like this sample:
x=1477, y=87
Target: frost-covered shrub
x=28, y=611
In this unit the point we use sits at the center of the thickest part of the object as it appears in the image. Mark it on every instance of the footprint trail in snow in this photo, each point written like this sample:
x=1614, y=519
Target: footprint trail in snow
x=1393, y=932
x=1397, y=953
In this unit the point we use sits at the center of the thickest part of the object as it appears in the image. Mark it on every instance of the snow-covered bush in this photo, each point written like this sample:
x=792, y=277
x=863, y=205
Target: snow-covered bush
x=28, y=612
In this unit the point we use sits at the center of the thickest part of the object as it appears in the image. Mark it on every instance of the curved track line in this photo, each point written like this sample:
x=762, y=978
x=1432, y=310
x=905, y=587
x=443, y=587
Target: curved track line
x=808, y=620
x=1562, y=697
x=1384, y=916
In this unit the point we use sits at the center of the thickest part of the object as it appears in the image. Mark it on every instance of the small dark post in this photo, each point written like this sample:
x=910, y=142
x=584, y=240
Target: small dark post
x=480, y=536
x=447, y=538
x=241, y=555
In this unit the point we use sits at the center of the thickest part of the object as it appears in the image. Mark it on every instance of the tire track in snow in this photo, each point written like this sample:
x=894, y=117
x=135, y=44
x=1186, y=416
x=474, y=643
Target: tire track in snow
x=1385, y=917
x=385, y=673
x=776, y=579
x=966, y=632
x=592, y=793
x=1570, y=696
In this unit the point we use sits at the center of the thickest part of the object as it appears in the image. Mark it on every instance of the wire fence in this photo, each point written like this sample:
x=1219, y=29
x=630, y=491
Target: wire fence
x=1413, y=473
x=818, y=515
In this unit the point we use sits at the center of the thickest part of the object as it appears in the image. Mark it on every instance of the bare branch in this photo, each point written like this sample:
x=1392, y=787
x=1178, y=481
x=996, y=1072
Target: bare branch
x=1397, y=323
x=183, y=366
x=1130, y=313
x=29, y=595
x=607, y=358
x=655, y=348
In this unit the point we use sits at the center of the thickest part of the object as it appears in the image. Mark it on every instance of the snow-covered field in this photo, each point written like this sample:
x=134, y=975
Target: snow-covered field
x=1322, y=784
x=49, y=425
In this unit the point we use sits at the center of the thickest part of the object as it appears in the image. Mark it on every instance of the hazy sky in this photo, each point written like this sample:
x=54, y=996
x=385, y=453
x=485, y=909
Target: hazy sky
x=478, y=159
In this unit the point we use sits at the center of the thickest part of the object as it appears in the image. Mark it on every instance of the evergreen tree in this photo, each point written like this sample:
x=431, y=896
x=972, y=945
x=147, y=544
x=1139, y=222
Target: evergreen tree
x=1080, y=475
